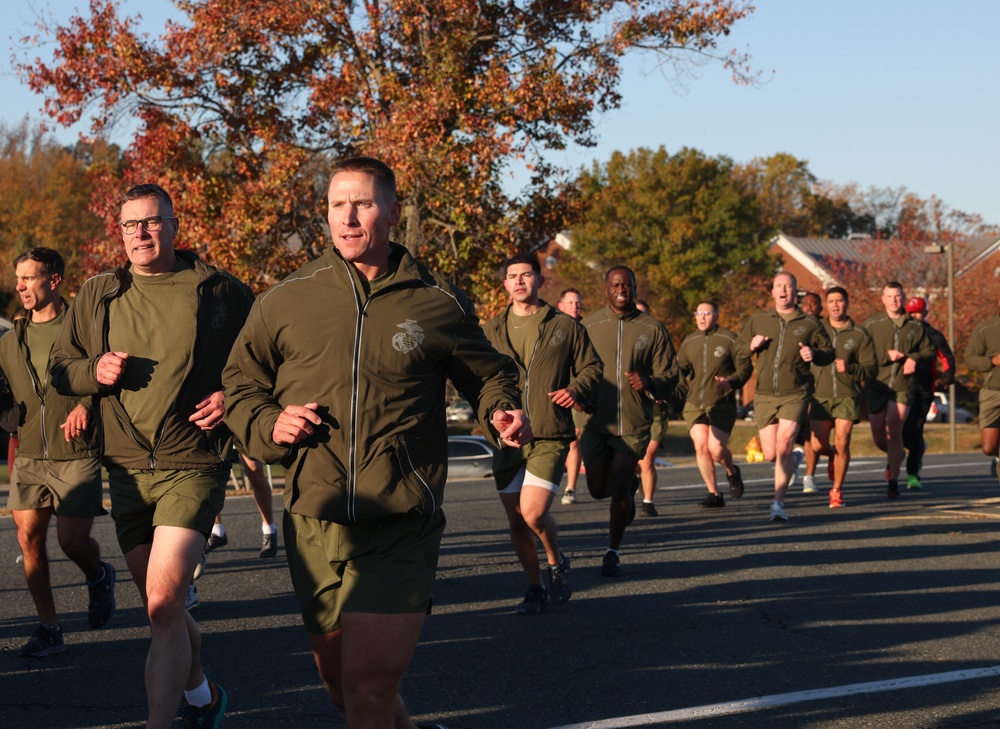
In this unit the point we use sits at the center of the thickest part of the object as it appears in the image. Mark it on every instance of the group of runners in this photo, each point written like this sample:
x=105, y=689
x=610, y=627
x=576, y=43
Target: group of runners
x=811, y=376
x=337, y=372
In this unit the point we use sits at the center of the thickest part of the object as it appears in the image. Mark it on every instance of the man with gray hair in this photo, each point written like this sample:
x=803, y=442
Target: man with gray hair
x=149, y=340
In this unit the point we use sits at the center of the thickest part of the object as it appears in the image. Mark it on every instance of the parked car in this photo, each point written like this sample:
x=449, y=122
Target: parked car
x=459, y=412
x=938, y=412
x=469, y=456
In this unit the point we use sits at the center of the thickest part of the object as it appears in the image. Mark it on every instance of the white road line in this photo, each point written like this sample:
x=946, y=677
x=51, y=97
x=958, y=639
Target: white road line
x=735, y=707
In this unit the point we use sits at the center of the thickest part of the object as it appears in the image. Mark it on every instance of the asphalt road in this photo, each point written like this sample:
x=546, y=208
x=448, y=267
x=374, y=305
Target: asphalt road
x=883, y=614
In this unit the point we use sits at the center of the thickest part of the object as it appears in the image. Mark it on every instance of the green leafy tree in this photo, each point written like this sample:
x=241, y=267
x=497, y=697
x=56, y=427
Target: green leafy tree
x=682, y=223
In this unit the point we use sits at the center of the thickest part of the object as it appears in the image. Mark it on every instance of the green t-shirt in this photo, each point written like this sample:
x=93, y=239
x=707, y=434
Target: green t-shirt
x=40, y=336
x=154, y=322
x=523, y=334
x=373, y=286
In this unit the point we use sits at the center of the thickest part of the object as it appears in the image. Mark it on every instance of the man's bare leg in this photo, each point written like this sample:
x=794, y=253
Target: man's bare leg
x=362, y=666
x=162, y=571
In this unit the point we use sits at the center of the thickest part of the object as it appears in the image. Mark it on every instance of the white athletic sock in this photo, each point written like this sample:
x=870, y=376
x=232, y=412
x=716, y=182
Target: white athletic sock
x=268, y=529
x=201, y=696
x=219, y=530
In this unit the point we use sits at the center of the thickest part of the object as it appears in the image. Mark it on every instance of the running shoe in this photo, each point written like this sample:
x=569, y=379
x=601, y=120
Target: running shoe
x=778, y=511
x=45, y=641
x=735, y=482
x=809, y=485
x=560, y=588
x=216, y=541
x=568, y=498
x=200, y=567
x=206, y=717
x=836, y=500
x=893, y=491
x=269, y=545
x=102, y=598
x=713, y=501
x=648, y=510
x=192, y=601
x=799, y=455
x=611, y=566
x=535, y=601
x=431, y=726
x=913, y=483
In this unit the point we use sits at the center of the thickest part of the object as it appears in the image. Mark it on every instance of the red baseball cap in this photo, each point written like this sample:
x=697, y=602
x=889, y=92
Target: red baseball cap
x=916, y=305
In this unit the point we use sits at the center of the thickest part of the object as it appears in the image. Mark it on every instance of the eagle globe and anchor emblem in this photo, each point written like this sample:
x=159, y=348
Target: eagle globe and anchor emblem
x=410, y=338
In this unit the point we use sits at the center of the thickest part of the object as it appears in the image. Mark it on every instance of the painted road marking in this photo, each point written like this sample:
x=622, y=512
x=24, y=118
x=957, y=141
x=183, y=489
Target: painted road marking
x=761, y=702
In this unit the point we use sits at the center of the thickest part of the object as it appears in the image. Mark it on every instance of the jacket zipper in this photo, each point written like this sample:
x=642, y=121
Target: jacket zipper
x=895, y=345
x=618, y=375
x=834, y=363
x=352, y=459
x=777, y=355
x=704, y=372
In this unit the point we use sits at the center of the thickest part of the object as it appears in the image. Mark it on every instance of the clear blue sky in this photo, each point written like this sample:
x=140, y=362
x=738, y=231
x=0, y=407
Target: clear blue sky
x=879, y=92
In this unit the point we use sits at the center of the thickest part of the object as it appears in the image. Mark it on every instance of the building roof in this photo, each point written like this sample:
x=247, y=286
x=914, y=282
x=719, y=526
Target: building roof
x=823, y=257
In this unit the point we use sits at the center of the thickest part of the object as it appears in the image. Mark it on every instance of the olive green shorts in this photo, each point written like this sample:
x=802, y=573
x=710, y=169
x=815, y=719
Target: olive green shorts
x=722, y=416
x=543, y=458
x=71, y=488
x=142, y=500
x=878, y=398
x=599, y=447
x=989, y=408
x=658, y=430
x=768, y=410
x=385, y=567
x=841, y=408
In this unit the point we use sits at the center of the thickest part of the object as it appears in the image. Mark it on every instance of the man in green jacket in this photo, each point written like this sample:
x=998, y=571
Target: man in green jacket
x=340, y=374
x=149, y=340
x=639, y=368
x=558, y=372
x=713, y=369
x=786, y=342
x=836, y=402
x=57, y=471
x=982, y=354
x=900, y=344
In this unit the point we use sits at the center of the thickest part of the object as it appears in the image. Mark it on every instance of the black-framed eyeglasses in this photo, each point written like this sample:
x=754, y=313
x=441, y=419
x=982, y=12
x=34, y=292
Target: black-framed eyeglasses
x=153, y=222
